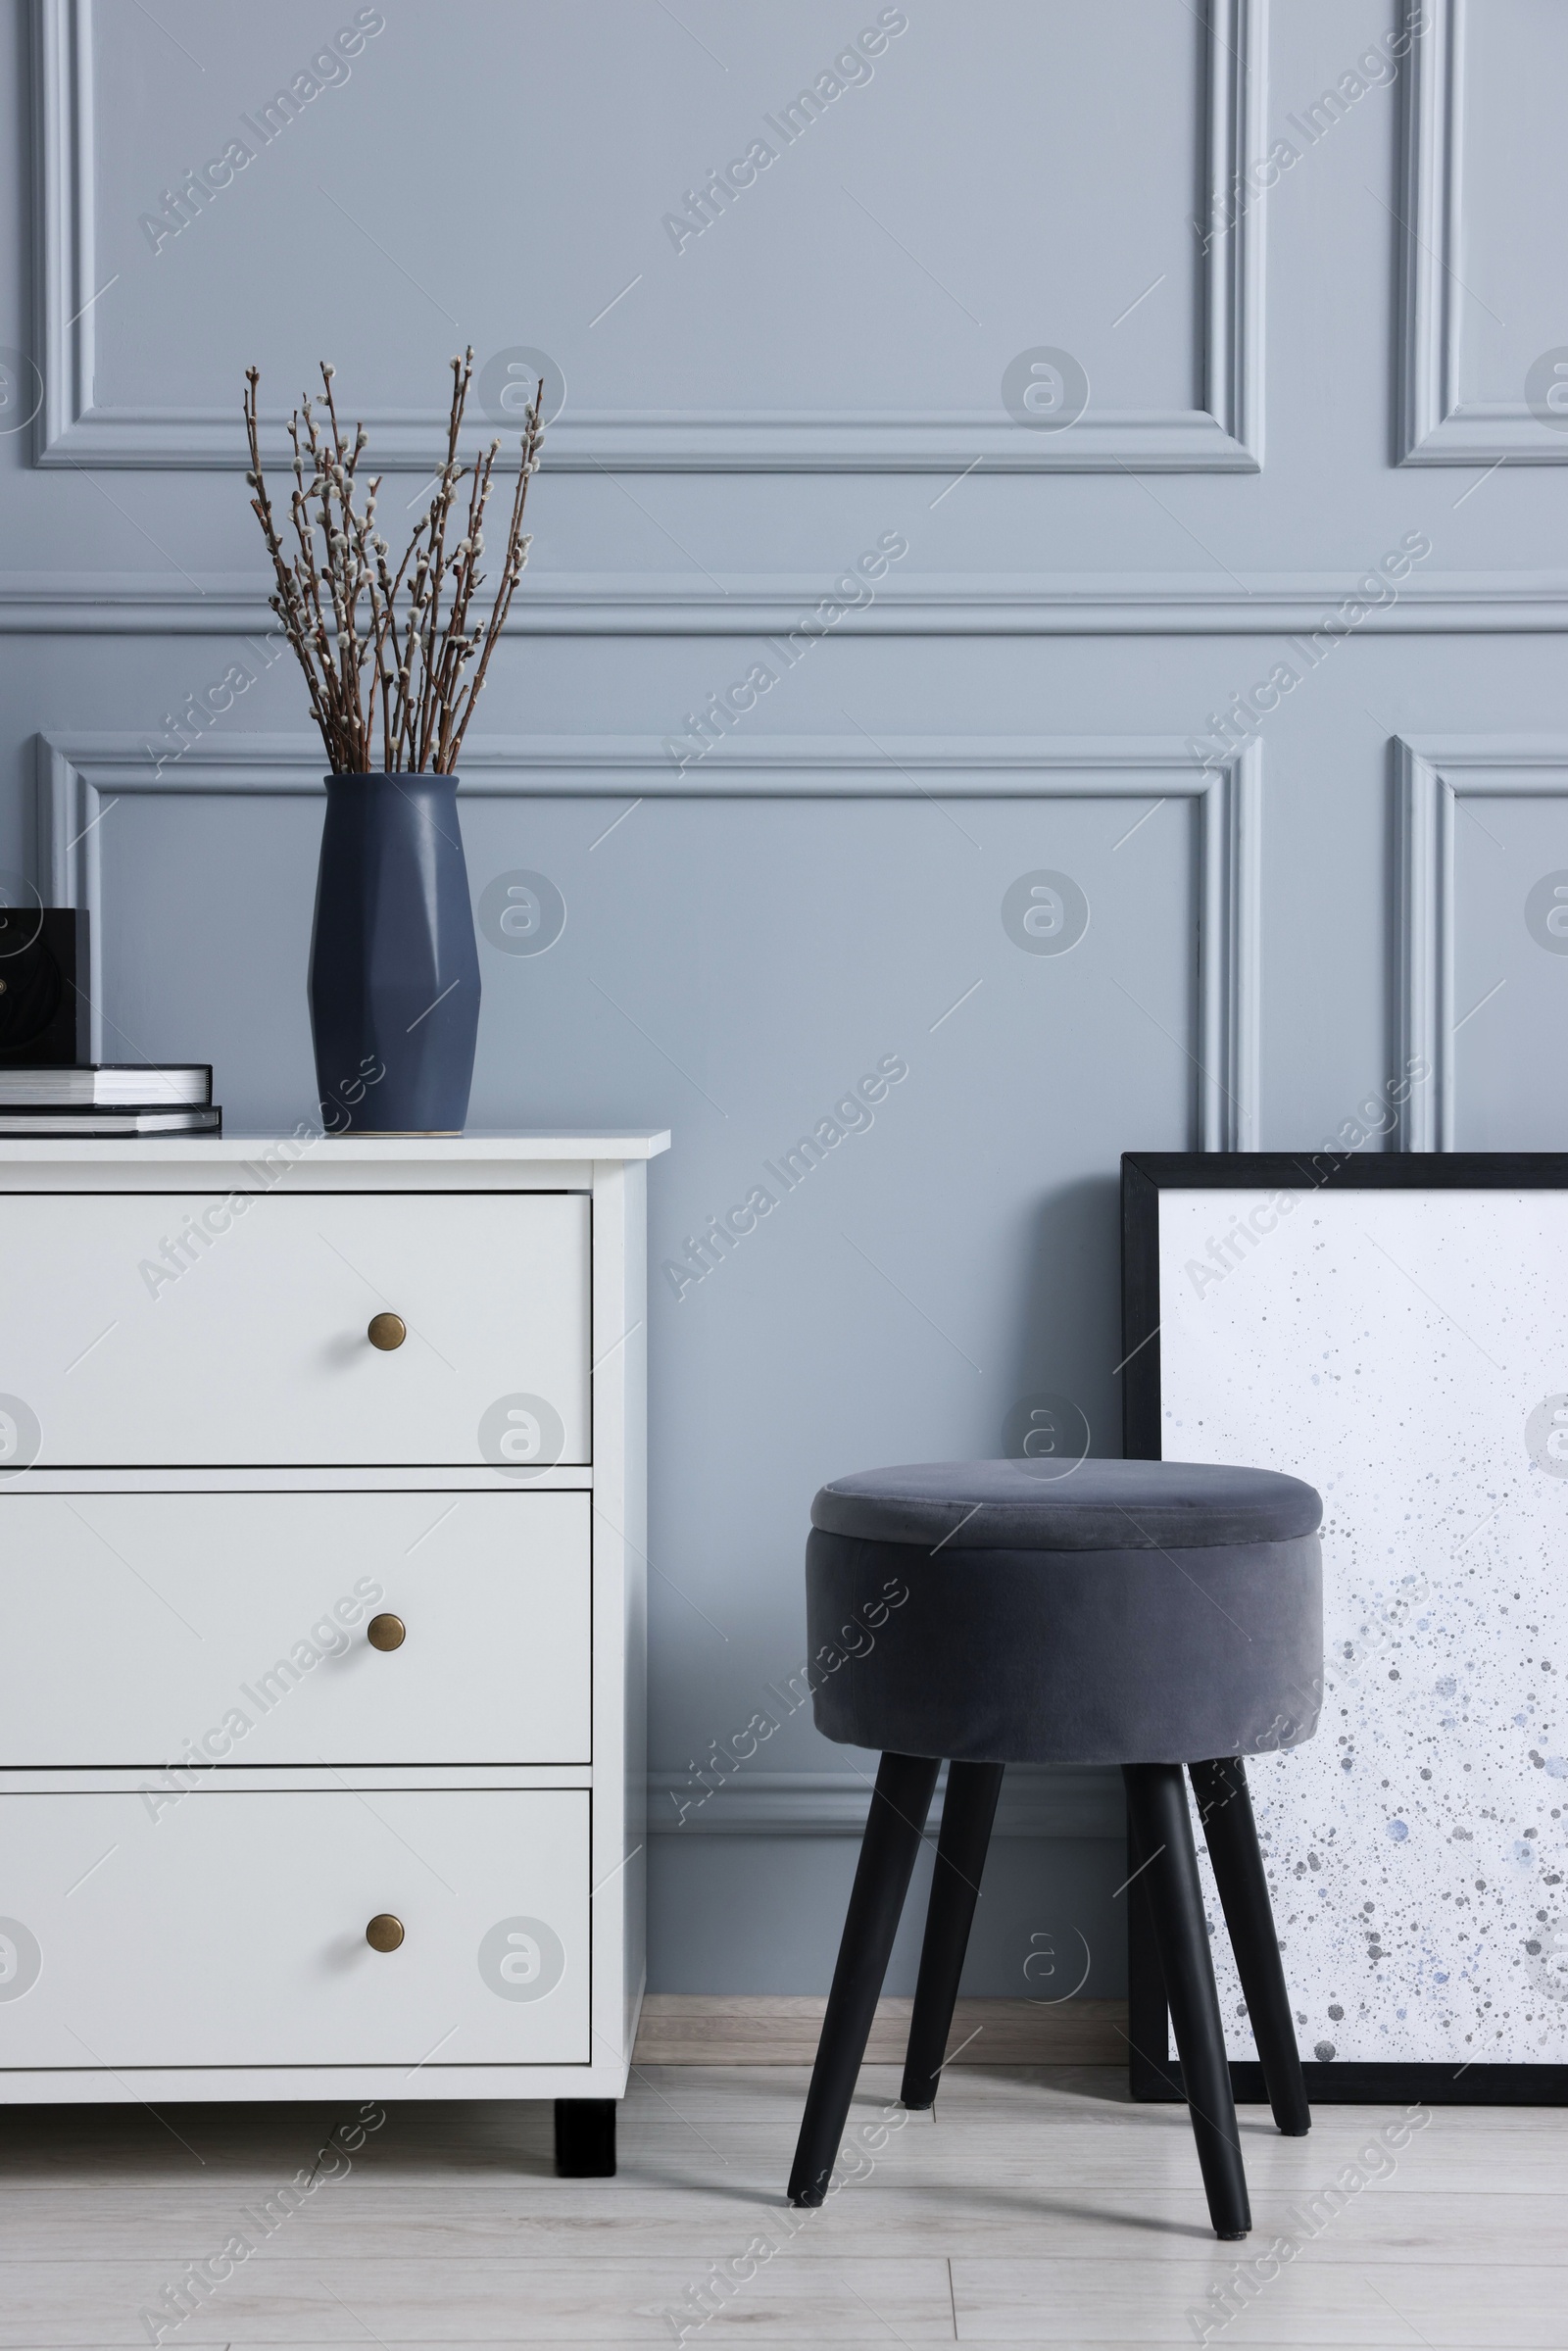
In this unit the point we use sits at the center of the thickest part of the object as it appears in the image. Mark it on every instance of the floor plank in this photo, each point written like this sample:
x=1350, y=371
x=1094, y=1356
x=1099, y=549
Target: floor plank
x=1070, y=2302
x=1033, y=2206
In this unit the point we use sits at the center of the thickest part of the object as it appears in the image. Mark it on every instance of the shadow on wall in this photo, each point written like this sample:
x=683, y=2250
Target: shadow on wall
x=1064, y=1396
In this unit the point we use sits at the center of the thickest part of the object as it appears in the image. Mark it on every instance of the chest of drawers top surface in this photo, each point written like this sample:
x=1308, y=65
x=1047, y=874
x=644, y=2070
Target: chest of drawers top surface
x=313, y=1161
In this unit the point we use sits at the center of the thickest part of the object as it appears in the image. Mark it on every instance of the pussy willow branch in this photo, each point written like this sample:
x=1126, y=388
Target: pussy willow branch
x=373, y=642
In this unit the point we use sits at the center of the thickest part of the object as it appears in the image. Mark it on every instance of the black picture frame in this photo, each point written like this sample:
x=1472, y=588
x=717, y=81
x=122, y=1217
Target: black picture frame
x=1145, y=1175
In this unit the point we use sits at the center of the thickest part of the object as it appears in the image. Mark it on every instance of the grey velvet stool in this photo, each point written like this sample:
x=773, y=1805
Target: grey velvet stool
x=1146, y=1613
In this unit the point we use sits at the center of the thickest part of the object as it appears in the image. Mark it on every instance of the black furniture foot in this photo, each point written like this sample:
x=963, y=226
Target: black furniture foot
x=1225, y=1812
x=585, y=2138
x=900, y=1802
x=1157, y=1802
x=968, y=1810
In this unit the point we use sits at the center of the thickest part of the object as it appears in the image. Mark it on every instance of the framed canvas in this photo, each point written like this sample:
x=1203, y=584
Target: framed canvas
x=1394, y=1328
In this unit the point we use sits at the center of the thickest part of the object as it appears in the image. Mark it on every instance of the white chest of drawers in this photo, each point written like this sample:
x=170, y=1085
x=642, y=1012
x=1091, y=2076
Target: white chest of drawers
x=300, y=1632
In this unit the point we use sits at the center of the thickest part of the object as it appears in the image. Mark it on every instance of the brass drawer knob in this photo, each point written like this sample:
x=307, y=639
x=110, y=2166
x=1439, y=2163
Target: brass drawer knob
x=386, y=1632
x=388, y=1331
x=384, y=1933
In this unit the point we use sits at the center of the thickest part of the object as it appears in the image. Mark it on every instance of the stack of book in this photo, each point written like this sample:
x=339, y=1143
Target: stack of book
x=112, y=1097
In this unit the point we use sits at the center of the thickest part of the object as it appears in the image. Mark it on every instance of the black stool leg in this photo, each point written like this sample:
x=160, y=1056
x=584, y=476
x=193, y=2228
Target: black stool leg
x=1225, y=1810
x=967, y=1811
x=1157, y=1802
x=904, y=1786
x=1150, y=2070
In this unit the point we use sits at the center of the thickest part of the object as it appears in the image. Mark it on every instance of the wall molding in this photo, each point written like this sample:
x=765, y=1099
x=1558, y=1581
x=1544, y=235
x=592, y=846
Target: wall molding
x=1066, y=1800
x=1436, y=427
x=1433, y=774
x=620, y=604
x=1234, y=276
x=80, y=777
x=1222, y=436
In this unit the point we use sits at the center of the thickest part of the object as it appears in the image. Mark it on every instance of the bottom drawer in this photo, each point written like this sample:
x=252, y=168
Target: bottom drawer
x=233, y=1931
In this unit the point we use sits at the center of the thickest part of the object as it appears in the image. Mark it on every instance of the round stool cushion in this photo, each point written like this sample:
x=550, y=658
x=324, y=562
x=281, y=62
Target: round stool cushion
x=1119, y=1612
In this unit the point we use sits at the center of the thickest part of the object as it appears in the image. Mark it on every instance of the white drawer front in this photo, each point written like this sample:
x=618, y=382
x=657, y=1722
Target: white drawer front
x=232, y=1933
x=202, y=1630
x=254, y=1350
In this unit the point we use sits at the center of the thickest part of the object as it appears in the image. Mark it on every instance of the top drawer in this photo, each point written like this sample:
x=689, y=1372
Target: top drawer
x=166, y=1330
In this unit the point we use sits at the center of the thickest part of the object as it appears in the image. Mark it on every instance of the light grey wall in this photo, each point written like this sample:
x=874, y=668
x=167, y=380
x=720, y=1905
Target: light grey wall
x=1282, y=392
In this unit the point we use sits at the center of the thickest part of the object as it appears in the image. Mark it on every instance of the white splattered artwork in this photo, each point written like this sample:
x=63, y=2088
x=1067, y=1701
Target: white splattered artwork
x=1406, y=1353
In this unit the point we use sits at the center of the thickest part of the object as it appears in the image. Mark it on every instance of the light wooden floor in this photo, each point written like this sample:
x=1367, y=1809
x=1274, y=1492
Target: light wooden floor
x=1034, y=2207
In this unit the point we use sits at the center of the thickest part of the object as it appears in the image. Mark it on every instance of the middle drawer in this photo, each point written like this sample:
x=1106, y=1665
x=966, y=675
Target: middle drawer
x=136, y=1629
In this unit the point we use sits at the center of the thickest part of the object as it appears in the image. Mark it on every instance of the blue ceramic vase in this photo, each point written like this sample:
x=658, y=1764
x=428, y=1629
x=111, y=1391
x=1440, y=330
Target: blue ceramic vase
x=393, y=985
